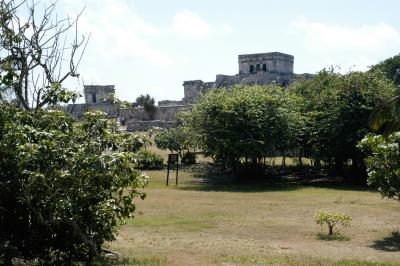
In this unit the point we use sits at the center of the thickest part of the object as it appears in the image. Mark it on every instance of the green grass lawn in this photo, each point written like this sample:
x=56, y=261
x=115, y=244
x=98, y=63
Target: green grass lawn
x=201, y=224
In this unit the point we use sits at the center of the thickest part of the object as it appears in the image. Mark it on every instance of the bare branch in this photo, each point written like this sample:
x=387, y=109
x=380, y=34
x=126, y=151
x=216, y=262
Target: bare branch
x=37, y=48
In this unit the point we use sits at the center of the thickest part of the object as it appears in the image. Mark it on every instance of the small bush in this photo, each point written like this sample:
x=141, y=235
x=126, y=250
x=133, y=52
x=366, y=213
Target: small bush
x=147, y=160
x=189, y=158
x=331, y=219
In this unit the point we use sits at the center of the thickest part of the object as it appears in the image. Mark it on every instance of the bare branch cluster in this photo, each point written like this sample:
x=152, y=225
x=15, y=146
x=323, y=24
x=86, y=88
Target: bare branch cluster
x=38, y=51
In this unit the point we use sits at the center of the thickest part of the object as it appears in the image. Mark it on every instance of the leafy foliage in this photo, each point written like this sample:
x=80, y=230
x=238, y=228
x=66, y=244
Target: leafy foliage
x=245, y=123
x=148, y=104
x=390, y=68
x=331, y=219
x=110, y=98
x=64, y=186
x=148, y=160
x=383, y=163
x=173, y=139
x=336, y=109
x=386, y=117
x=323, y=119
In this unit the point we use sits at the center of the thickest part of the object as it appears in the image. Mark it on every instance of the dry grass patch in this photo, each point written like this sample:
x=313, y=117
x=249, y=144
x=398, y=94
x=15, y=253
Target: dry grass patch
x=199, y=224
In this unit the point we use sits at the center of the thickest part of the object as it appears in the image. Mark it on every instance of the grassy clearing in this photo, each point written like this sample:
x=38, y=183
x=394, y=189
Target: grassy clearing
x=201, y=224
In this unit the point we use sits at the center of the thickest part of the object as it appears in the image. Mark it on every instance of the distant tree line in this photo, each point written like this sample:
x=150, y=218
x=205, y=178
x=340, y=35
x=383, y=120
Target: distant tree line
x=322, y=119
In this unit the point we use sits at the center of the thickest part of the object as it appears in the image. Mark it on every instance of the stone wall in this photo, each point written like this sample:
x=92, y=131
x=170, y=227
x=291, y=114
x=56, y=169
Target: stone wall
x=168, y=113
x=194, y=88
x=97, y=93
x=77, y=110
x=133, y=126
x=260, y=78
x=169, y=103
x=261, y=69
x=164, y=113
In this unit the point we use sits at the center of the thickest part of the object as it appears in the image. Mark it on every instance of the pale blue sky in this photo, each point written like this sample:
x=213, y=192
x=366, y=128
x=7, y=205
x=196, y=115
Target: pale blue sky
x=149, y=46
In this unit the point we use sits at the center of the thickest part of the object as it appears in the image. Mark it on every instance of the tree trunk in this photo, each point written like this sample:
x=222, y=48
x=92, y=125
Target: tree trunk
x=330, y=229
x=300, y=158
x=283, y=159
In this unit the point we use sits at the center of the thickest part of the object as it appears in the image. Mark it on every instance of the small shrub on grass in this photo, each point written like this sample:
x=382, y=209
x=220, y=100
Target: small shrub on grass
x=147, y=160
x=189, y=158
x=331, y=220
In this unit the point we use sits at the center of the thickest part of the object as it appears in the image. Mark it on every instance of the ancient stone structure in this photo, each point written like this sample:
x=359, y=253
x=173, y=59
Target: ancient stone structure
x=193, y=88
x=97, y=93
x=266, y=62
x=95, y=98
x=264, y=68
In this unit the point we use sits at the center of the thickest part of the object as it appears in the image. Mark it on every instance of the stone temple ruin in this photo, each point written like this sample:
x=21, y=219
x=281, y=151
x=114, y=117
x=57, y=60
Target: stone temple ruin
x=261, y=69
x=264, y=68
x=96, y=98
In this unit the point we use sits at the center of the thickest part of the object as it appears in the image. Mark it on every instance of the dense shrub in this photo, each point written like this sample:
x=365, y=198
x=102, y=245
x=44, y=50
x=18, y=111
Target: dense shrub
x=147, y=160
x=64, y=185
x=383, y=163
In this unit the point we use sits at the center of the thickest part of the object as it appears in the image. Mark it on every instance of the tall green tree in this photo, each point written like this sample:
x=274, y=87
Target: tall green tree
x=386, y=117
x=148, y=104
x=336, y=109
x=173, y=139
x=389, y=68
x=244, y=124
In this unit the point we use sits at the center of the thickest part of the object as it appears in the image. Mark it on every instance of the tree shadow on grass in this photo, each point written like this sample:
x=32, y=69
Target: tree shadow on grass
x=333, y=237
x=390, y=243
x=211, y=178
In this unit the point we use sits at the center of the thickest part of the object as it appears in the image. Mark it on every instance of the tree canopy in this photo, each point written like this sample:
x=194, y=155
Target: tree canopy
x=323, y=119
x=336, y=109
x=245, y=123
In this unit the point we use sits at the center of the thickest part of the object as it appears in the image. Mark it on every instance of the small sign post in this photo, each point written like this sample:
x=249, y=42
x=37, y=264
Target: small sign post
x=173, y=159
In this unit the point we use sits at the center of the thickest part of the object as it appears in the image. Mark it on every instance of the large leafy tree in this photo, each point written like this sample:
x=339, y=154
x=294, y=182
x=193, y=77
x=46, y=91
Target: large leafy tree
x=336, y=109
x=173, y=139
x=64, y=186
x=389, y=68
x=244, y=124
x=386, y=117
x=382, y=151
